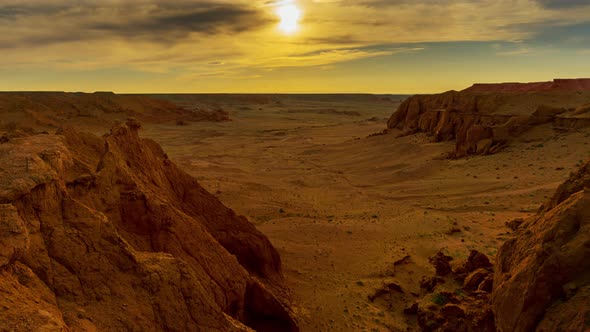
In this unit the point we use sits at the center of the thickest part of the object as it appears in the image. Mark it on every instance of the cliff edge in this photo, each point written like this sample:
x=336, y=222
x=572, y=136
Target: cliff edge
x=485, y=118
x=542, y=277
x=106, y=233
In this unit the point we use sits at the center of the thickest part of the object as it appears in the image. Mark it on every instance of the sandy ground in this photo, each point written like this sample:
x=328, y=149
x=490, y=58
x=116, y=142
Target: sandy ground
x=342, y=208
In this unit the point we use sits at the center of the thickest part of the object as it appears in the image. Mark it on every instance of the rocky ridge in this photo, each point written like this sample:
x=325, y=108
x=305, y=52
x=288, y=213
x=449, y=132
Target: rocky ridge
x=105, y=233
x=542, y=275
x=56, y=109
x=485, y=118
x=575, y=84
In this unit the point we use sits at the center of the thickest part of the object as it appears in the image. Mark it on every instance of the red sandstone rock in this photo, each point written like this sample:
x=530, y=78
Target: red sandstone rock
x=108, y=234
x=576, y=182
x=476, y=260
x=474, y=279
x=482, y=120
x=440, y=261
x=576, y=84
x=542, y=273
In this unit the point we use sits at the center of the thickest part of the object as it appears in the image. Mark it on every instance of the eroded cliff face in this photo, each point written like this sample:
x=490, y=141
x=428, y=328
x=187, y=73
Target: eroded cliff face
x=483, y=122
x=108, y=234
x=540, y=280
x=573, y=84
x=542, y=277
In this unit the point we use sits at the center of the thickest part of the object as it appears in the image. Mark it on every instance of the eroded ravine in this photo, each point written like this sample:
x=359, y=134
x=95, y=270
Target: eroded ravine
x=341, y=210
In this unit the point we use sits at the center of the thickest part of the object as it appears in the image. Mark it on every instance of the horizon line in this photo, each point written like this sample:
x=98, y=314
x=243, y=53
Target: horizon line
x=215, y=93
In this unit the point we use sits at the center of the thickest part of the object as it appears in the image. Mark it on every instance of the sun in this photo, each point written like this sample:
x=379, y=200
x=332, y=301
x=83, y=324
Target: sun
x=289, y=15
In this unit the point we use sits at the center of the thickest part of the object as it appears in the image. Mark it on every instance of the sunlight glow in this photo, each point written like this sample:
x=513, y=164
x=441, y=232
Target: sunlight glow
x=289, y=15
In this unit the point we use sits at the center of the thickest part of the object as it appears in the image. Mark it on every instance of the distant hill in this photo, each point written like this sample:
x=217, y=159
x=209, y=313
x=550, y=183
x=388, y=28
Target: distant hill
x=55, y=109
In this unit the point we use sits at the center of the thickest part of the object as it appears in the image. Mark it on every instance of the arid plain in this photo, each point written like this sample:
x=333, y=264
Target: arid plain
x=342, y=207
x=364, y=212
x=295, y=166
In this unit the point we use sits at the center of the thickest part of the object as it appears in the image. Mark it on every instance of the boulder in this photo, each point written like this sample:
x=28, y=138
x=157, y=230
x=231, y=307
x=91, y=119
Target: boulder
x=440, y=261
x=476, y=260
x=484, y=146
x=429, y=283
x=473, y=280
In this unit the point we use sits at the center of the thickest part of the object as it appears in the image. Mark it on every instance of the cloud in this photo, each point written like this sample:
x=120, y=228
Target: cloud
x=240, y=38
x=210, y=20
x=520, y=51
x=335, y=40
x=170, y=21
x=557, y=4
x=557, y=34
x=333, y=56
x=394, y=3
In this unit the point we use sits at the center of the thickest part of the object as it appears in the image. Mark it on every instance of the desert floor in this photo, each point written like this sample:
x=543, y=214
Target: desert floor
x=341, y=208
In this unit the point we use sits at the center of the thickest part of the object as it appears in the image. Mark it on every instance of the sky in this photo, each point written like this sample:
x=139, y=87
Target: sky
x=294, y=46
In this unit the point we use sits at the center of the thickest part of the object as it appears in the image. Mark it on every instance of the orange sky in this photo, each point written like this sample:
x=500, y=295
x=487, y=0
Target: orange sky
x=381, y=46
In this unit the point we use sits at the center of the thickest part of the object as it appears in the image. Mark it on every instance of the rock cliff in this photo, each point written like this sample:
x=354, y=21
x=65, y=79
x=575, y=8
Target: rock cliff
x=575, y=84
x=542, y=277
x=483, y=119
x=105, y=233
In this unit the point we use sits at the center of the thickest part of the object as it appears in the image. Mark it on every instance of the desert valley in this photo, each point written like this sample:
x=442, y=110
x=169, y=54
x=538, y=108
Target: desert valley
x=294, y=166
x=460, y=211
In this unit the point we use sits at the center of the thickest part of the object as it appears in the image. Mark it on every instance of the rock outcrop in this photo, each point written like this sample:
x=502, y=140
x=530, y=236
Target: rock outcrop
x=542, y=276
x=575, y=84
x=457, y=301
x=483, y=120
x=108, y=234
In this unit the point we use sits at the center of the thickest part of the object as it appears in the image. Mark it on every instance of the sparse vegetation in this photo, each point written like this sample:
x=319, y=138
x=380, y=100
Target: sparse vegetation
x=439, y=299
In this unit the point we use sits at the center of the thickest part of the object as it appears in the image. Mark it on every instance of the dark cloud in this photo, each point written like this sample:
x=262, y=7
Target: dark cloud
x=555, y=34
x=12, y=12
x=212, y=20
x=160, y=22
x=392, y=3
x=551, y=4
x=571, y=36
x=557, y=4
